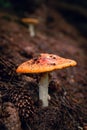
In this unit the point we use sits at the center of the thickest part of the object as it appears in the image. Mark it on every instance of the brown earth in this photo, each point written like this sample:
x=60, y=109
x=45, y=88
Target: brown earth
x=67, y=108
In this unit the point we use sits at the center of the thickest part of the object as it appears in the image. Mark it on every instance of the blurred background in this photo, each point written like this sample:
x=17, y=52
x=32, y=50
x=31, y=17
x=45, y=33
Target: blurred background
x=74, y=11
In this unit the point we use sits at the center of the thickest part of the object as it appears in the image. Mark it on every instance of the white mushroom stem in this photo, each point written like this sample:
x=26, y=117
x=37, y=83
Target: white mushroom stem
x=43, y=89
x=32, y=30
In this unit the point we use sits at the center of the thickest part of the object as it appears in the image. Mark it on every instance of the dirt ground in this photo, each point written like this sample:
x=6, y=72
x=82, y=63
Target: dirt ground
x=20, y=108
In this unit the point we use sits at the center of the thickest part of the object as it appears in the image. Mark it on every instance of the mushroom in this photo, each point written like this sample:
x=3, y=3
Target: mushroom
x=31, y=22
x=44, y=64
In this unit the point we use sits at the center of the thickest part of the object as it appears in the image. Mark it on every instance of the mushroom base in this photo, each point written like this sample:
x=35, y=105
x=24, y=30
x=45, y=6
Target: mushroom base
x=32, y=30
x=43, y=89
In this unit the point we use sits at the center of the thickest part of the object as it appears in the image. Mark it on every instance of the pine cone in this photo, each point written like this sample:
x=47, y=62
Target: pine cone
x=23, y=102
x=11, y=118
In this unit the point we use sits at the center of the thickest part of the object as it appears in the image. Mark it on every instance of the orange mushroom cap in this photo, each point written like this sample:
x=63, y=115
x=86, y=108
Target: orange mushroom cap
x=45, y=63
x=30, y=20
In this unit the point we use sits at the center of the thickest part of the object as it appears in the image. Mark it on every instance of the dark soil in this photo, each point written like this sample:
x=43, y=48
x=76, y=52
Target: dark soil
x=67, y=108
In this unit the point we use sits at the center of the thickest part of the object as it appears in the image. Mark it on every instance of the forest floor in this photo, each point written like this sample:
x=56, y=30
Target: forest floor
x=67, y=108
